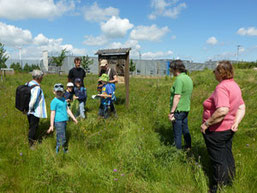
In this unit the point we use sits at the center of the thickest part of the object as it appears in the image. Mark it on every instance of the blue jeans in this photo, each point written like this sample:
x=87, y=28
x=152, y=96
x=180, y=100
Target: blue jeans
x=60, y=133
x=180, y=125
x=82, y=109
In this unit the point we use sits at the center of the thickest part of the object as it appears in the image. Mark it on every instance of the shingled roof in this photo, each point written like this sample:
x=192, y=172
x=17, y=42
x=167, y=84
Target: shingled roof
x=119, y=51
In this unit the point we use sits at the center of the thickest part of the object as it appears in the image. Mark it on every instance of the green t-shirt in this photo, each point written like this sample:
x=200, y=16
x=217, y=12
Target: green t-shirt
x=182, y=86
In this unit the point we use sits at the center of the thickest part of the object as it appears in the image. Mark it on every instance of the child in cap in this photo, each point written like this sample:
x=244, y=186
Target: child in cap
x=59, y=117
x=106, y=97
x=68, y=95
x=81, y=96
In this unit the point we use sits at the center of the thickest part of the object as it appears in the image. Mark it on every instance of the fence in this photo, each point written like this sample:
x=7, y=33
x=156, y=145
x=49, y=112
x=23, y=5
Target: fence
x=143, y=67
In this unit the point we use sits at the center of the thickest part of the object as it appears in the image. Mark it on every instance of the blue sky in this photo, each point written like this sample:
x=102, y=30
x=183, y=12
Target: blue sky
x=197, y=30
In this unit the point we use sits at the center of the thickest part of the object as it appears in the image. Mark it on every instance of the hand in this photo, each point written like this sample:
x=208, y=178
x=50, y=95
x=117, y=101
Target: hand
x=171, y=117
x=51, y=129
x=68, y=100
x=75, y=97
x=203, y=128
x=75, y=121
x=234, y=127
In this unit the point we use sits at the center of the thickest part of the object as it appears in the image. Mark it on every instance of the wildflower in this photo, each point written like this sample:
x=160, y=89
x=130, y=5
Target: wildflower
x=116, y=179
x=122, y=174
x=20, y=153
x=247, y=145
x=115, y=170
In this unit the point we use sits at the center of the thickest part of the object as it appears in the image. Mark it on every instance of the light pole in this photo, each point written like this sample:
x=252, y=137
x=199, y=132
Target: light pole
x=237, y=53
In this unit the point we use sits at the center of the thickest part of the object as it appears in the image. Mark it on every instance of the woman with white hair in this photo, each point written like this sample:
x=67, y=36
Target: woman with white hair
x=37, y=105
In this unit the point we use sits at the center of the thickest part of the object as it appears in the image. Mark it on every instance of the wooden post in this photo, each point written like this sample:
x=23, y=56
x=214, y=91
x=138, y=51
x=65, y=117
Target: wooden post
x=127, y=79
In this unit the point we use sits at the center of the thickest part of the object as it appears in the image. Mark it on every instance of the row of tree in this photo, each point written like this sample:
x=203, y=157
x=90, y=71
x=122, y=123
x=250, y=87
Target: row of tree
x=85, y=61
x=58, y=60
x=26, y=68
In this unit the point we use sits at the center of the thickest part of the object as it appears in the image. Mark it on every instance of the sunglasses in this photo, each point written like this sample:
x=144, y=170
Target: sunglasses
x=58, y=86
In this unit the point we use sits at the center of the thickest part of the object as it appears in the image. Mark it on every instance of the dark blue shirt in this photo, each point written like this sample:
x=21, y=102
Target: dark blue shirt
x=81, y=93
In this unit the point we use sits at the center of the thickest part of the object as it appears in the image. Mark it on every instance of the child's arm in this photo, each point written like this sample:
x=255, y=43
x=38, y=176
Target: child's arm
x=71, y=115
x=105, y=95
x=51, y=128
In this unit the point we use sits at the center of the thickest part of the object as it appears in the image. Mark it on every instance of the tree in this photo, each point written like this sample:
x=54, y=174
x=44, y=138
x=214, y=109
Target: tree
x=132, y=66
x=3, y=56
x=26, y=68
x=16, y=67
x=59, y=59
x=34, y=67
x=86, y=62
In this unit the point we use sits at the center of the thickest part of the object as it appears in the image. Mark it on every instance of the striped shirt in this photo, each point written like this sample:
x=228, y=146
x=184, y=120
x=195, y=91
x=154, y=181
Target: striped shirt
x=37, y=105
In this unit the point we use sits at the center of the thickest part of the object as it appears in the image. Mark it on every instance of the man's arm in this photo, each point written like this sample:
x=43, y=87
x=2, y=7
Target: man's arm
x=35, y=92
x=175, y=103
x=174, y=106
x=115, y=76
x=70, y=76
x=115, y=80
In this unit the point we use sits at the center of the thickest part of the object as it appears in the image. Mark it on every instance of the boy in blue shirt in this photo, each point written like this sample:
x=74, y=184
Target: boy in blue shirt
x=107, y=97
x=81, y=96
x=59, y=117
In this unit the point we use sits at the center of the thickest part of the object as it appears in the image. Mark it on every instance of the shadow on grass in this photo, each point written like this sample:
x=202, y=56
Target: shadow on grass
x=198, y=151
x=166, y=134
x=120, y=101
x=200, y=155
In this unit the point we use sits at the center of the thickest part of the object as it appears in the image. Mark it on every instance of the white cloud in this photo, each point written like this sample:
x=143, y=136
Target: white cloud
x=14, y=37
x=11, y=35
x=23, y=9
x=116, y=27
x=173, y=37
x=151, y=33
x=157, y=55
x=133, y=44
x=40, y=39
x=95, y=41
x=166, y=8
x=250, y=31
x=128, y=44
x=212, y=41
x=97, y=14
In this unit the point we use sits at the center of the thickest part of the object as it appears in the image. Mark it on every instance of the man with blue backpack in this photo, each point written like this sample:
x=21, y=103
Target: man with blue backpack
x=107, y=97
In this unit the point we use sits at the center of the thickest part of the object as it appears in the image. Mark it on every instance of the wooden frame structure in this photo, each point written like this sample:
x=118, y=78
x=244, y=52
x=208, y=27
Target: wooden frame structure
x=119, y=60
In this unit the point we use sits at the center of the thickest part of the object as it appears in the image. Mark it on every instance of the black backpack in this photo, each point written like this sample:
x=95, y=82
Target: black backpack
x=23, y=93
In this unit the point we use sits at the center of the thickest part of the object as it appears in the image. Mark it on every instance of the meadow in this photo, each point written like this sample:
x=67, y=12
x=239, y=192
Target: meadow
x=131, y=153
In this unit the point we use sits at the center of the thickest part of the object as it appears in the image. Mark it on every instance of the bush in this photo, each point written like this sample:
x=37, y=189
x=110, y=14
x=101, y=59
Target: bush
x=245, y=65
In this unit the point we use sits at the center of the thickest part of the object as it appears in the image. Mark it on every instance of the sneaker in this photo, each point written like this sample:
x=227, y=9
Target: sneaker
x=65, y=150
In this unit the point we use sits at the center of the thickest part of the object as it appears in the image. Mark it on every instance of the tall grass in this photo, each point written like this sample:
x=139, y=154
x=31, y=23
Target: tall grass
x=131, y=153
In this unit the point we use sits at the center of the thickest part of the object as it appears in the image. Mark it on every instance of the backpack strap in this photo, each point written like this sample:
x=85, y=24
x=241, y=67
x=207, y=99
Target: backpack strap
x=33, y=86
x=109, y=72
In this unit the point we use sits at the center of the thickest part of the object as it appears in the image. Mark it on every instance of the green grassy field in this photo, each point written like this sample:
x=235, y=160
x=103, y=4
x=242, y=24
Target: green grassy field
x=131, y=153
